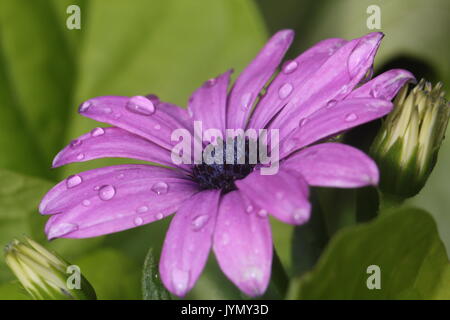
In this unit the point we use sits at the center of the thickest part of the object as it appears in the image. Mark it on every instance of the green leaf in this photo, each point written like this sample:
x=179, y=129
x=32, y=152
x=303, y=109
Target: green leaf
x=152, y=287
x=403, y=243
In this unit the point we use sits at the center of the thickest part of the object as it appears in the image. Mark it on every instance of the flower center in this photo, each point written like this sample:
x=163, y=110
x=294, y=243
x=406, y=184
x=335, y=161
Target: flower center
x=235, y=162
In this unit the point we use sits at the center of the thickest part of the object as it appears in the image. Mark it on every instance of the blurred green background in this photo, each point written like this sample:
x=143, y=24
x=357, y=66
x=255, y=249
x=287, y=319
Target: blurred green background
x=168, y=48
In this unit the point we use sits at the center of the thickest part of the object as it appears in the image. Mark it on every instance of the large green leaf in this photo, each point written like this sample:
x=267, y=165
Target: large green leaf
x=404, y=244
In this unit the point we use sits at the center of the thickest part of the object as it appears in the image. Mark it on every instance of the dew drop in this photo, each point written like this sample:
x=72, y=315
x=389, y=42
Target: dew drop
x=262, y=213
x=225, y=239
x=331, y=103
x=199, y=222
x=142, y=209
x=106, y=192
x=107, y=110
x=302, y=122
x=351, y=117
x=73, y=181
x=285, y=90
x=249, y=208
x=96, y=188
x=159, y=216
x=97, y=132
x=86, y=203
x=180, y=281
x=290, y=66
x=84, y=106
x=211, y=82
x=138, y=221
x=299, y=215
x=245, y=100
x=160, y=188
x=120, y=176
x=58, y=230
x=75, y=143
x=140, y=105
x=80, y=156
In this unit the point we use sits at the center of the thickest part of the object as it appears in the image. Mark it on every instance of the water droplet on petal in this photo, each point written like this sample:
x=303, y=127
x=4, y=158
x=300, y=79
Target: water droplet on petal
x=253, y=274
x=245, y=100
x=97, y=132
x=299, y=215
x=180, y=281
x=211, y=82
x=331, y=103
x=86, y=203
x=160, y=188
x=199, y=222
x=75, y=143
x=106, y=192
x=138, y=221
x=61, y=229
x=73, y=181
x=290, y=66
x=262, y=213
x=159, y=216
x=84, y=106
x=96, y=188
x=157, y=127
x=351, y=117
x=285, y=90
x=142, y=209
x=302, y=122
x=249, y=208
x=107, y=110
x=225, y=239
x=140, y=105
x=80, y=156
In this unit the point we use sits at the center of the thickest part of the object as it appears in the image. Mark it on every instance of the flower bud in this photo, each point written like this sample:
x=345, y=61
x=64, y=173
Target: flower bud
x=44, y=275
x=407, y=145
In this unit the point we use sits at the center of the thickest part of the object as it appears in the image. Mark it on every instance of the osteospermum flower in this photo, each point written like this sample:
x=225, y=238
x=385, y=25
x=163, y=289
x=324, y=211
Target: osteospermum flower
x=321, y=93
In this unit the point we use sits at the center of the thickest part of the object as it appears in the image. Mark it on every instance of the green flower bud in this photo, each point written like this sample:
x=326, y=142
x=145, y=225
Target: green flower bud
x=408, y=142
x=44, y=275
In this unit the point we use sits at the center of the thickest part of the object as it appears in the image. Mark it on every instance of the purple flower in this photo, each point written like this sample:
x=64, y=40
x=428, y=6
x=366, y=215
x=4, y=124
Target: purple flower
x=319, y=94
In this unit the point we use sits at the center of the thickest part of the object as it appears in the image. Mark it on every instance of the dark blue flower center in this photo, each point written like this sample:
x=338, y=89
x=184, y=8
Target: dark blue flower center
x=222, y=176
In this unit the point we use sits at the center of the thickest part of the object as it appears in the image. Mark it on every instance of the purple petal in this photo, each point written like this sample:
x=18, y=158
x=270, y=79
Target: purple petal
x=188, y=241
x=334, y=165
x=112, y=199
x=385, y=86
x=332, y=120
x=208, y=103
x=284, y=195
x=112, y=142
x=145, y=117
x=255, y=76
x=294, y=73
x=333, y=81
x=243, y=245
